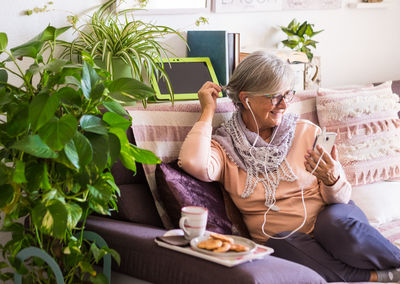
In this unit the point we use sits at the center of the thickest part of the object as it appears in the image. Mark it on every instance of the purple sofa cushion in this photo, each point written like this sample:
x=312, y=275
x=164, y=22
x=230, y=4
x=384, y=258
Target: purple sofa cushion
x=178, y=189
x=137, y=205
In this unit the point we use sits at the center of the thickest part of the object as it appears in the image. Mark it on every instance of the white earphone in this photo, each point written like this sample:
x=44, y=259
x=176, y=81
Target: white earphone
x=247, y=102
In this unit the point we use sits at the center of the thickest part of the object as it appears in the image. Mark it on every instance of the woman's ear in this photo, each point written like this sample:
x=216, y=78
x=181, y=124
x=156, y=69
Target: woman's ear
x=243, y=97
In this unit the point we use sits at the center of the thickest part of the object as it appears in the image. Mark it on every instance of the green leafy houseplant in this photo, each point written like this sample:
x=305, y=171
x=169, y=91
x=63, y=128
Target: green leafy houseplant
x=112, y=37
x=299, y=37
x=61, y=130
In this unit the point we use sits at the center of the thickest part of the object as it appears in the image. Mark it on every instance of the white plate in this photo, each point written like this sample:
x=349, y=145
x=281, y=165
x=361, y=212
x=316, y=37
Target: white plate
x=237, y=240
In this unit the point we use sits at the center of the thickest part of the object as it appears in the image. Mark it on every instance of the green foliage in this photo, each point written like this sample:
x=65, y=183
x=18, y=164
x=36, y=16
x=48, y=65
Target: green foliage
x=299, y=37
x=61, y=130
x=109, y=35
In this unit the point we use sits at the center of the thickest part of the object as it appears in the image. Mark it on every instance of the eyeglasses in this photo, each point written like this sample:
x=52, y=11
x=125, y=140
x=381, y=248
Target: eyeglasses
x=276, y=99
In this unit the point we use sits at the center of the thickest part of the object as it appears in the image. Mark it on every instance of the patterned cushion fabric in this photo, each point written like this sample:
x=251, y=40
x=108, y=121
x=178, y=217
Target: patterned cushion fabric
x=368, y=129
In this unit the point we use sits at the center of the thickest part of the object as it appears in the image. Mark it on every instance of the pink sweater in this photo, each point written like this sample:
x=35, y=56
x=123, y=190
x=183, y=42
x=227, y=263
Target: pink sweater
x=205, y=159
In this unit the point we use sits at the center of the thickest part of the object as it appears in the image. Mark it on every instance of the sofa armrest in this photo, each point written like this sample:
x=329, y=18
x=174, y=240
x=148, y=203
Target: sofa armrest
x=142, y=258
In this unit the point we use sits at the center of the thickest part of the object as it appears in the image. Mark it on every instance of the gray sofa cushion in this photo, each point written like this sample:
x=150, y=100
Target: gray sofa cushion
x=142, y=258
x=137, y=205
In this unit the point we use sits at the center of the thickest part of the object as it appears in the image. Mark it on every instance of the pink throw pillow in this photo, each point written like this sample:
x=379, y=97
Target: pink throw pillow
x=368, y=127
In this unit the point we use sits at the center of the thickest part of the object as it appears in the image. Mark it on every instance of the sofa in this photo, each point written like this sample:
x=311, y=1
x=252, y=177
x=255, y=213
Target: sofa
x=131, y=231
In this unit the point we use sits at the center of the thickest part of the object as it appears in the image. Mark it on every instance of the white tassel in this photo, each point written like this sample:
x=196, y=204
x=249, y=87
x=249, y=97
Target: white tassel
x=348, y=133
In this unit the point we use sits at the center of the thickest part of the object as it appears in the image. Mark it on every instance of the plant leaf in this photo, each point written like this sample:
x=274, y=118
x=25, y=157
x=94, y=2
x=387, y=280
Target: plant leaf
x=69, y=96
x=57, y=132
x=115, y=107
x=100, y=150
x=29, y=49
x=144, y=156
x=56, y=65
x=128, y=89
x=97, y=252
x=99, y=197
x=3, y=41
x=114, y=254
x=116, y=120
x=6, y=194
x=114, y=147
x=72, y=80
x=100, y=278
x=4, y=171
x=125, y=154
x=42, y=109
x=17, y=122
x=19, y=172
x=98, y=91
x=34, y=174
x=52, y=218
x=302, y=29
x=74, y=214
x=290, y=43
x=94, y=124
x=287, y=31
x=33, y=47
x=309, y=30
x=3, y=76
x=89, y=79
x=79, y=150
x=293, y=25
x=317, y=32
x=34, y=146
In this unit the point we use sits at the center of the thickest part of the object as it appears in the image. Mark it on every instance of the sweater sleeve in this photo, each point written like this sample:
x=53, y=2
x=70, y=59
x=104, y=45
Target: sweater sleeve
x=340, y=192
x=198, y=157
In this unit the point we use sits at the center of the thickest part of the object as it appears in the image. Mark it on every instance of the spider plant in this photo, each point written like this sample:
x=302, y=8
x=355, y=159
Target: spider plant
x=110, y=35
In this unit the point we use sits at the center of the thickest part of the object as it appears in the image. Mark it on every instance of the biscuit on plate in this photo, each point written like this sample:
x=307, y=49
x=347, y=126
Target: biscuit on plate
x=221, y=237
x=224, y=248
x=210, y=244
x=238, y=248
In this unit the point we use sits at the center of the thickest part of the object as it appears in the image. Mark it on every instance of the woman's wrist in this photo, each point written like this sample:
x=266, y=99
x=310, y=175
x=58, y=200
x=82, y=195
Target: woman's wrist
x=207, y=114
x=331, y=181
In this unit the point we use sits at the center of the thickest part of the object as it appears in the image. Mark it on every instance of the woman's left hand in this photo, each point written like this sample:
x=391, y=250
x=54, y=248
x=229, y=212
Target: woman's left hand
x=328, y=169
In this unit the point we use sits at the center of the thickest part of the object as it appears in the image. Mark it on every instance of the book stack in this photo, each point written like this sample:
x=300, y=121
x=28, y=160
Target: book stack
x=221, y=47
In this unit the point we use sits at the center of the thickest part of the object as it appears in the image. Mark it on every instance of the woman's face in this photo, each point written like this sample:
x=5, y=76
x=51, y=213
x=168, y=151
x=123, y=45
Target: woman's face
x=268, y=112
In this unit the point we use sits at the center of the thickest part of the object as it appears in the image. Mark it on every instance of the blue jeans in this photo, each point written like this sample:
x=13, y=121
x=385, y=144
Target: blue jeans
x=343, y=247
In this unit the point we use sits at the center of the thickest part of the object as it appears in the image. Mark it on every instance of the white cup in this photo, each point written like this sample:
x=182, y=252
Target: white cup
x=193, y=221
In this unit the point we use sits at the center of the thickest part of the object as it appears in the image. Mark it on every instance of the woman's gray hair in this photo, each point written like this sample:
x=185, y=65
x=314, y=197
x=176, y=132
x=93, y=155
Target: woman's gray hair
x=259, y=72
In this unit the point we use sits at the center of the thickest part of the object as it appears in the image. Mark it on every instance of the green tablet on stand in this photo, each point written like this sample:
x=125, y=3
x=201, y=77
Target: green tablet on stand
x=186, y=75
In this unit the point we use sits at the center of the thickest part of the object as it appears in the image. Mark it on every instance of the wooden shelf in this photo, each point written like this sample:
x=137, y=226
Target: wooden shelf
x=363, y=5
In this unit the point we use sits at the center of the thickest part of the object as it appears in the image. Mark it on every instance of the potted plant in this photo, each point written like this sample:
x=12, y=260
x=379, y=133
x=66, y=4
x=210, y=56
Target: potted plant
x=62, y=127
x=117, y=41
x=300, y=37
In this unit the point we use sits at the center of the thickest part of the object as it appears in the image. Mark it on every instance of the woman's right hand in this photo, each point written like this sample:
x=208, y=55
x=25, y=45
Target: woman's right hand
x=208, y=95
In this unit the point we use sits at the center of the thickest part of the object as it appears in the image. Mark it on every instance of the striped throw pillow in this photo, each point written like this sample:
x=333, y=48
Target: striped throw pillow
x=368, y=129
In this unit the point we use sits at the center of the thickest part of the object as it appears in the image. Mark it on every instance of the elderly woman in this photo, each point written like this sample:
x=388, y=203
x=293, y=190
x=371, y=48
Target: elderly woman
x=291, y=197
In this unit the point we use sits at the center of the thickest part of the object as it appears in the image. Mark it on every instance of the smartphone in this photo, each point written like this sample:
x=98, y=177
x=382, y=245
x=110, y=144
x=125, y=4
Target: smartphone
x=325, y=141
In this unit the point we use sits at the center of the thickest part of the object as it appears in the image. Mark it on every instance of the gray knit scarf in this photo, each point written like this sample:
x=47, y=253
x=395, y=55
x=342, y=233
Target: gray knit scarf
x=265, y=162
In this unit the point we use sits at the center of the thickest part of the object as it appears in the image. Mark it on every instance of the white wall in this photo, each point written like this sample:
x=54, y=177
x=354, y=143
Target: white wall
x=357, y=46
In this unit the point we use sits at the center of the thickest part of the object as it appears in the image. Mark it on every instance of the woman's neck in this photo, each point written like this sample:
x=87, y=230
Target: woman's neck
x=264, y=132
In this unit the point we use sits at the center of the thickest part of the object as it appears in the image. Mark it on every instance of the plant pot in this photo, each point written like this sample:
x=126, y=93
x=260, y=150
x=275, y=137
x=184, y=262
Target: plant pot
x=120, y=69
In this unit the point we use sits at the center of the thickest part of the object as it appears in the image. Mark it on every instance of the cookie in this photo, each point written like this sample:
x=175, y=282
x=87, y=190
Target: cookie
x=224, y=248
x=238, y=248
x=222, y=238
x=210, y=244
